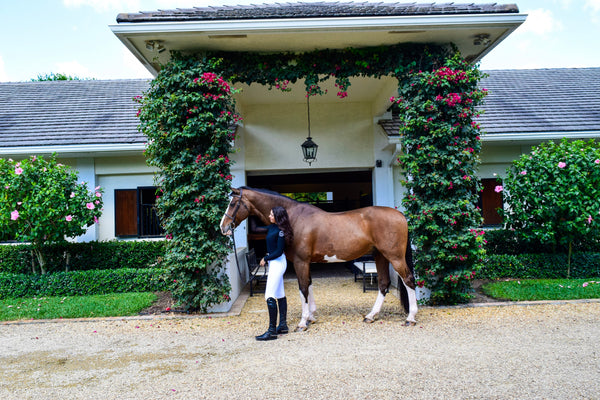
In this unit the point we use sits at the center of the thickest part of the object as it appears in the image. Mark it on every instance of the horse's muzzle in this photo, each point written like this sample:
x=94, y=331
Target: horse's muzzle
x=227, y=230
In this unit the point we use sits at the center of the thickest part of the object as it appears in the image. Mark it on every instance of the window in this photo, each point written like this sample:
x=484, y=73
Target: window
x=490, y=201
x=135, y=215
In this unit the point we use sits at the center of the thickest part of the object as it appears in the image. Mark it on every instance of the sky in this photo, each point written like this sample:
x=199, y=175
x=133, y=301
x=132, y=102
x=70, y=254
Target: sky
x=73, y=37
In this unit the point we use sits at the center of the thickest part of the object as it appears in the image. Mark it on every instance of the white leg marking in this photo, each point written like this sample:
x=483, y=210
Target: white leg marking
x=332, y=259
x=412, y=303
x=376, y=307
x=305, y=313
x=312, y=306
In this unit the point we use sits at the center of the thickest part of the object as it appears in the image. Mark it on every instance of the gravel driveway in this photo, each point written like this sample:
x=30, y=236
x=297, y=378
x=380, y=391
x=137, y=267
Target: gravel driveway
x=539, y=351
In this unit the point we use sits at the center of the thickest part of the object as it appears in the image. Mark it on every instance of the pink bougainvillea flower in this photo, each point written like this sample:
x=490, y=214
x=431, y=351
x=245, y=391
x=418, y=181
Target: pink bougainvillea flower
x=523, y=172
x=18, y=170
x=585, y=284
x=69, y=218
x=95, y=219
x=561, y=165
x=72, y=195
x=14, y=215
x=498, y=189
x=90, y=206
x=589, y=219
x=98, y=194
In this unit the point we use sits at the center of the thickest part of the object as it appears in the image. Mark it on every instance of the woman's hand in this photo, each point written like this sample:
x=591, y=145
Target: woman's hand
x=262, y=262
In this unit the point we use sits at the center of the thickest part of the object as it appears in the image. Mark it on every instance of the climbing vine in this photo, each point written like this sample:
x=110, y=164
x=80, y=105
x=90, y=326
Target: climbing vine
x=187, y=116
x=441, y=144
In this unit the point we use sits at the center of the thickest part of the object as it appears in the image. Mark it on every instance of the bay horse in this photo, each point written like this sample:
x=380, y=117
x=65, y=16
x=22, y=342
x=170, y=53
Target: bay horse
x=321, y=236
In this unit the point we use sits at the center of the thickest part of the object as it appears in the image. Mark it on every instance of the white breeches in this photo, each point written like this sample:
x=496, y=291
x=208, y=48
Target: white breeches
x=274, y=287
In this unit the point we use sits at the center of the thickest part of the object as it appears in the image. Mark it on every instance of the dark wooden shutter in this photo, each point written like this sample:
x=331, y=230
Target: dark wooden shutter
x=491, y=202
x=126, y=212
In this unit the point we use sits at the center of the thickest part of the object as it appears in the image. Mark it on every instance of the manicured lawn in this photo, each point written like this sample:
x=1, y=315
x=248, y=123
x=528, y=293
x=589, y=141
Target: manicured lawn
x=544, y=289
x=108, y=305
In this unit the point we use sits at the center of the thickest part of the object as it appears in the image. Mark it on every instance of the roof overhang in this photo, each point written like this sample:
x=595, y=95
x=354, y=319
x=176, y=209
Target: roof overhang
x=475, y=35
x=78, y=150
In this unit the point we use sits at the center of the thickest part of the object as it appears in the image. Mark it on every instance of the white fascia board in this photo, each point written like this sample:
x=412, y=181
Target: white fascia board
x=74, y=149
x=538, y=136
x=303, y=24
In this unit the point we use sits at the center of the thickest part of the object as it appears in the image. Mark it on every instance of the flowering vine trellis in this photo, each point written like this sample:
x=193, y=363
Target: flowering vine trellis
x=441, y=146
x=186, y=115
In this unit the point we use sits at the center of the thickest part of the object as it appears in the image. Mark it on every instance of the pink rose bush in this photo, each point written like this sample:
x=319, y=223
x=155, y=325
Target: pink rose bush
x=42, y=202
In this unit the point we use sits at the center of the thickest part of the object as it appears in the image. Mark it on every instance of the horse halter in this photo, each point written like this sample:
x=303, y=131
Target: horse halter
x=236, y=208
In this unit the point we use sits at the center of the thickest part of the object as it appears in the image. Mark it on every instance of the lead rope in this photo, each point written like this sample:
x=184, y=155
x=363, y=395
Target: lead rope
x=237, y=263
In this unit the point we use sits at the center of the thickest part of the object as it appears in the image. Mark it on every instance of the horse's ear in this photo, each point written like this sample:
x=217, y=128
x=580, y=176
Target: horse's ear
x=235, y=191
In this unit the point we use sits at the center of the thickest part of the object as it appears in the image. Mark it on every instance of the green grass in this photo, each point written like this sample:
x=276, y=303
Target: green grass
x=543, y=289
x=108, y=305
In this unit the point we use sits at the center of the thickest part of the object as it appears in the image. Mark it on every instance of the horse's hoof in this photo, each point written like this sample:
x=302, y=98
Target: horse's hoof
x=410, y=323
x=301, y=328
x=368, y=320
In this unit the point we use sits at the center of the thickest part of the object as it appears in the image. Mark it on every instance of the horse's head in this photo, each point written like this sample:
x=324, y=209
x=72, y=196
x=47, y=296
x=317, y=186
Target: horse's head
x=236, y=212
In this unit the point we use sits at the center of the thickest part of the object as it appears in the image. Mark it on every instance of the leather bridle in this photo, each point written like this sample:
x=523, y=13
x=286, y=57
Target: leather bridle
x=236, y=208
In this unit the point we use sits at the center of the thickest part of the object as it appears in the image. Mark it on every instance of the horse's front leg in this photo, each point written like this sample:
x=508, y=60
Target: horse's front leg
x=306, y=296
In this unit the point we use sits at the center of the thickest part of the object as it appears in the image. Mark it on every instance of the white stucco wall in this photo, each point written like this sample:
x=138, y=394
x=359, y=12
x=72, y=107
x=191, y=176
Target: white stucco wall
x=273, y=134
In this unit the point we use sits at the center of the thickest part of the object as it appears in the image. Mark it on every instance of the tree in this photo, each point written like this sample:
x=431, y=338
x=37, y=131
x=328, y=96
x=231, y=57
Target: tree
x=57, y=77
x=553, y=194
x=42, y=202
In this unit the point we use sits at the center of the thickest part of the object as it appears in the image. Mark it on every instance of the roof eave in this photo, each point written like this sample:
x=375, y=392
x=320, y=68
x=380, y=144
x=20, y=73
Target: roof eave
x=126, y=31
x=75, y=150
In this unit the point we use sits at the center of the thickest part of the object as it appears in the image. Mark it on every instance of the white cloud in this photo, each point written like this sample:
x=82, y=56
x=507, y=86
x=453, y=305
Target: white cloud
x=133, y=66
x=3, y=74
x=540, y=22
x=594, y=5
x=105, y=5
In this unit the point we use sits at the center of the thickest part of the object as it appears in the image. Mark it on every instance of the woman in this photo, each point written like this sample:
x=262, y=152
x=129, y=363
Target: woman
x=279, y=233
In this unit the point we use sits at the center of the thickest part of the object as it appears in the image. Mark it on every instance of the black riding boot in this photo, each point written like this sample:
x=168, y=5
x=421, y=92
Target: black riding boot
x=282, y=327
x=271, y=333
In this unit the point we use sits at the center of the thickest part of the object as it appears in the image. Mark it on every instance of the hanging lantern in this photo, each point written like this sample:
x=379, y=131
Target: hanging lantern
x=309, y=148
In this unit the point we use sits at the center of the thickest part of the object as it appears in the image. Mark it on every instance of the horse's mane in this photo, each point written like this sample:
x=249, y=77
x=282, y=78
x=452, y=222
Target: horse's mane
x=271, y=192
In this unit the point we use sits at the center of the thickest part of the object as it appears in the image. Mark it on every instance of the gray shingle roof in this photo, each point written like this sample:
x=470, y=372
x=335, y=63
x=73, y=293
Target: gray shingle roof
x=536, y=101
x=103, y=112
x=542, y=100
x=69, y=112
x=313, y=10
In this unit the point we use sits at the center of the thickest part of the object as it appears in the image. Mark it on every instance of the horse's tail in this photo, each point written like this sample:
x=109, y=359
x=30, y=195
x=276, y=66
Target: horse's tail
x=408, y=257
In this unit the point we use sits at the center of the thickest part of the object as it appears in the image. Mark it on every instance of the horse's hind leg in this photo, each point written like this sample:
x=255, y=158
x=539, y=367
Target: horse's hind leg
x=408, y=283
x=383, y=280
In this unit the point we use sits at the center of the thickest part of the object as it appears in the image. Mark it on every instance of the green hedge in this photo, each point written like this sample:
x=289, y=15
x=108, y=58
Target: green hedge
x=502, y=241
x=540, y=266
x=18, y=259
x=82, y=283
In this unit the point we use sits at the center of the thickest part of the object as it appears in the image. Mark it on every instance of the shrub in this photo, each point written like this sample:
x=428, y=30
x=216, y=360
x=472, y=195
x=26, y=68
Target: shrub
x=84, y=256
x=82, y=283
x=41, y=201
x=553, y=194
x=540, y=266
